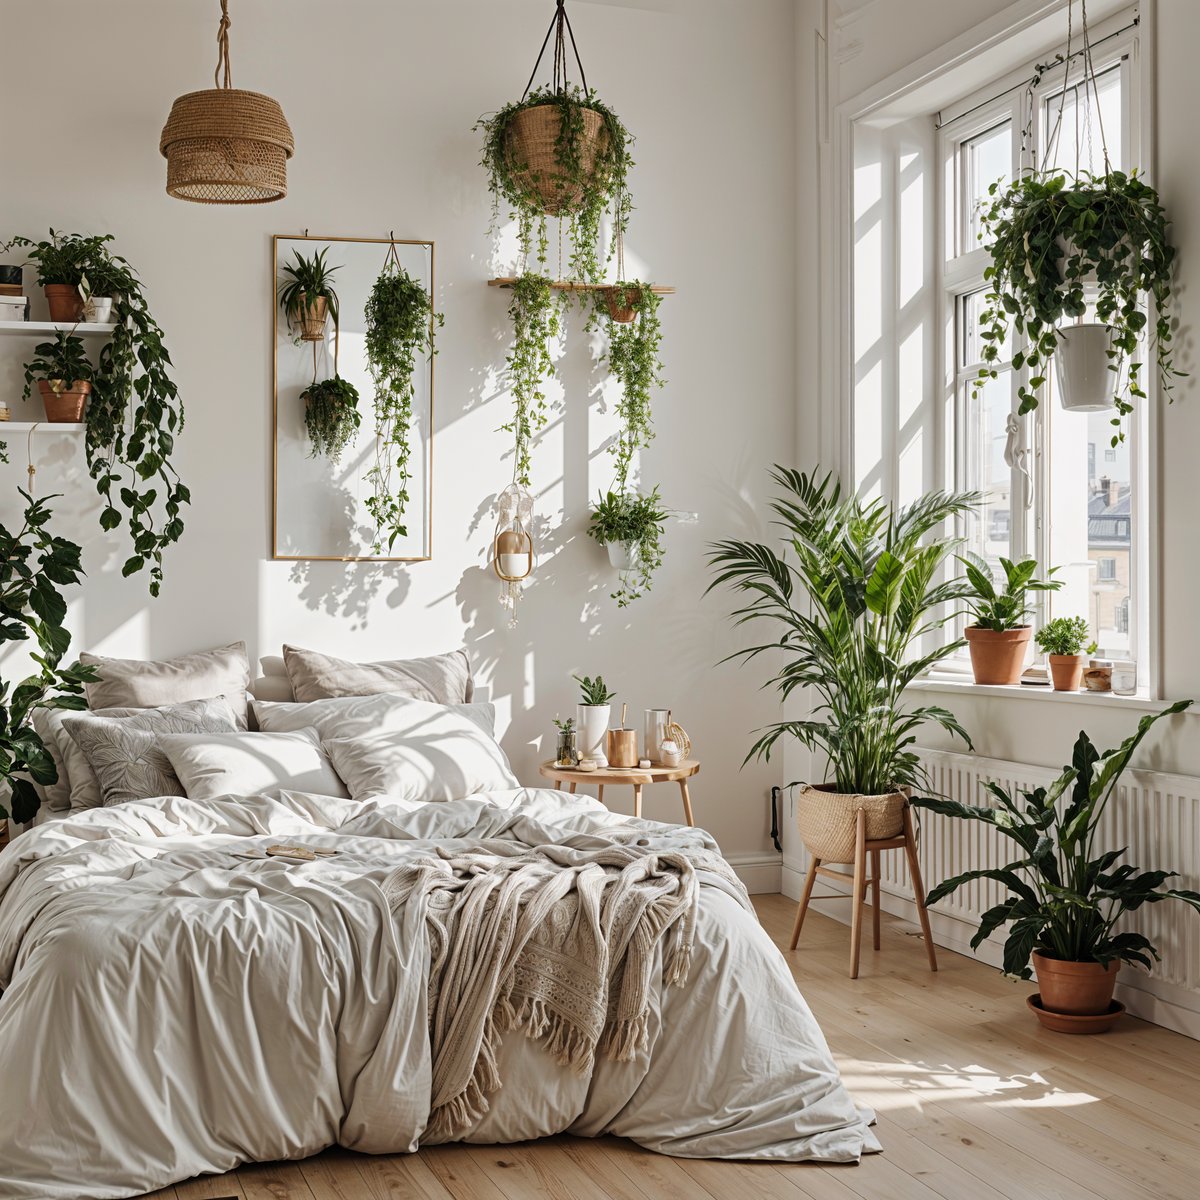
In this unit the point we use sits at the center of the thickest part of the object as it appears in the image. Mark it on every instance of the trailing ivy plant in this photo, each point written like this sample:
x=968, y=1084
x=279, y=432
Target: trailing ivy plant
x=535, y=312
x=34, y=567
x=331, y=416
x=636, y=519
x=634, y=362
x=583, y=190
x=400, y=326
x=134, y=413
x=1052, y=243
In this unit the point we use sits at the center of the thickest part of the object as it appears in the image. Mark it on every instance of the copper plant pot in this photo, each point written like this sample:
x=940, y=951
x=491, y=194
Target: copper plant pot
x=998, y=656
x=312, y=320
x=64, y=403
x=622, y=748
x=66, y=304
x=1081, y=989
x=1067, y=672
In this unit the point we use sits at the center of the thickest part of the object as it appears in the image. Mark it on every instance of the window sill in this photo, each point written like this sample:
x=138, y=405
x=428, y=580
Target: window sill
x=957, y=686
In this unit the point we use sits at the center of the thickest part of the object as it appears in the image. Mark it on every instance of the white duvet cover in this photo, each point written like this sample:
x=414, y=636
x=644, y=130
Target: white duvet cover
x=171, y=1008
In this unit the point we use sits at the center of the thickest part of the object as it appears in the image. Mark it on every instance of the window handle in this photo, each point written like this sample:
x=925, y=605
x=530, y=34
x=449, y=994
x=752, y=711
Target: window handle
x=1017, y=456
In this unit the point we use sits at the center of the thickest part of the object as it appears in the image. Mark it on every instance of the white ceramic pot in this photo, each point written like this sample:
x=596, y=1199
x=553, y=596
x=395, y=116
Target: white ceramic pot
x=98, y=309
x=1085, y=384
x=622, y=555
x=592, y=722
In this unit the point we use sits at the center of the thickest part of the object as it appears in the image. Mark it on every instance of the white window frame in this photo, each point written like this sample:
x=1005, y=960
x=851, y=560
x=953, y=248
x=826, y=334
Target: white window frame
x=960, y=272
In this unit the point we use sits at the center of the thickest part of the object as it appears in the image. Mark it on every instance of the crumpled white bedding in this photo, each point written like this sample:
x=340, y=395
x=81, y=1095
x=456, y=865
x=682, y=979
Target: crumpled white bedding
x=171, y=1008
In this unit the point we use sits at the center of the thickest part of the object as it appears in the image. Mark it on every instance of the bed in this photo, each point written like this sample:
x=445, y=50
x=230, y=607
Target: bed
x=175, y=1002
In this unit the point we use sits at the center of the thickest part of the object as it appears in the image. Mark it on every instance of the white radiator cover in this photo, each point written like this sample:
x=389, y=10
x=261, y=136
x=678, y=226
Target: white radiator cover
x=1155, y=815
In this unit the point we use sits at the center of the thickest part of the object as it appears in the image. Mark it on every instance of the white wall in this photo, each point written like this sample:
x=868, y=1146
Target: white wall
x=382, y=97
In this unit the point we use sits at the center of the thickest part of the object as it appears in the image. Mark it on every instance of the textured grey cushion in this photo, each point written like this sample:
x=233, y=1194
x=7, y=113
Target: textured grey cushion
x=77, y=783
x=124, y=753
x=251, y=764
x=440, y=679
x=146, y=683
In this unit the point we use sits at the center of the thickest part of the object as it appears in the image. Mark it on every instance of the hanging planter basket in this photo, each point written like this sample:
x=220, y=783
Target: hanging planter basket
x=532, y=143
x=312, y=320
x=1082, y=364
x=622, y=304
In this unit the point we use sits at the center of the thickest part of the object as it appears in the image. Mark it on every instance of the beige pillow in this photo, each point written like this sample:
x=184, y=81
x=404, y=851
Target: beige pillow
x=145, y=683
x=439, y=679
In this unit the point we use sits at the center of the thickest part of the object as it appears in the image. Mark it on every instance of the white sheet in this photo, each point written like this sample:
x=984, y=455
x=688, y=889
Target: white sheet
x=172, y=1009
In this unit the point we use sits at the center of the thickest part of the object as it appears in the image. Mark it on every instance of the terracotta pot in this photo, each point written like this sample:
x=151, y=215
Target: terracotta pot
x=827, y=818
x=64, y=402
x=1067, y=672
x=312, y=320
x=998, y=656
x=1082, y=989
x=66, y=304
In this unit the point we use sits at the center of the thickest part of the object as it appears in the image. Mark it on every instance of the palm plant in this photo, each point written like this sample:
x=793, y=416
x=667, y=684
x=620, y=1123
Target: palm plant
x=308, y=280
x=873, y=577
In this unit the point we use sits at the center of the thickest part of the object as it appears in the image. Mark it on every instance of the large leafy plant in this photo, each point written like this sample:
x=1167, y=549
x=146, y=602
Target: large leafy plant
x=873, y=580
x=1002, y=607
x=1064, y=899
x=1054, y=241
x=634, y=519
x=331, y=416
x=535, y=312
x=34, y=566
x=400, y=326
x=134, y=413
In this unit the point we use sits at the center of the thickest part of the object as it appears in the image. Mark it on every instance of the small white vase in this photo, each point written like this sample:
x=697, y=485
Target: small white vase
x=98, y=309
x=622, y=555
x=1085, y=384
x=592, y=722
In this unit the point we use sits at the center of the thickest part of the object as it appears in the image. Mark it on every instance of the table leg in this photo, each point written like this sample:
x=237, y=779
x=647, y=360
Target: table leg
x=637, y=799
x=687, y=802
x=571, y=789
x=600, y=792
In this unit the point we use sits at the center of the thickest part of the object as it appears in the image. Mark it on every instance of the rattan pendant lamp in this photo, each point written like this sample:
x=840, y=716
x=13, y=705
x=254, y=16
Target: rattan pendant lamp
x=224, y=145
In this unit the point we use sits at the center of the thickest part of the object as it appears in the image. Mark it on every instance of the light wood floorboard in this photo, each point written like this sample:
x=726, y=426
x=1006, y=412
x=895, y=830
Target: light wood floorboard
x=975, y=1102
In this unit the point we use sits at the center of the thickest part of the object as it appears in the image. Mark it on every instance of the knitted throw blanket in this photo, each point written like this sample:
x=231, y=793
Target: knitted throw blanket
x=554, y=941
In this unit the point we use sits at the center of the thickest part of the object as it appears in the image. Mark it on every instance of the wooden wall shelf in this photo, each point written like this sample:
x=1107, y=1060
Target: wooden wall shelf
x=570, y=285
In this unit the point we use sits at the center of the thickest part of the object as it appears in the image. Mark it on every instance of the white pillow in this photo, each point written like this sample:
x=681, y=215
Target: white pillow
x=250, y=764
x=438, y=679
x=424, y=752
x=353, y=716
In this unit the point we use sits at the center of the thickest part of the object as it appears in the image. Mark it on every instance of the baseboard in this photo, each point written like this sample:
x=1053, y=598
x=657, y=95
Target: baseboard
x=1171, y=1007
x=759, y=872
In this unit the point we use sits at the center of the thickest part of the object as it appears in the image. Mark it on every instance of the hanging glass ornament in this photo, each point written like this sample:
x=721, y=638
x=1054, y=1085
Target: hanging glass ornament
x=512, y=545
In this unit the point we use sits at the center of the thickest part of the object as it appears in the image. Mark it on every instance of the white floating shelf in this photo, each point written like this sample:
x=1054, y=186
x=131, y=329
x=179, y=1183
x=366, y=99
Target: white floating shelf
x=16, y=328
x=10, y=427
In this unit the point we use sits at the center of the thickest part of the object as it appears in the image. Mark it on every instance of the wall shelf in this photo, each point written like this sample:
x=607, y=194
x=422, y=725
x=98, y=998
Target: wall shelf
x=13, y=427
x=570, y=285
x=84, y=328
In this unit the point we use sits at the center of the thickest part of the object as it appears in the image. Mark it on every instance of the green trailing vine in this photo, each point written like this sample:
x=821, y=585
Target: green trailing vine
x=1052, y=243
x=331, y=416
x=633, y=359
x=535, y=312
x=134, y=413
x=400, y=326
x=581, y=191
x=636, y=519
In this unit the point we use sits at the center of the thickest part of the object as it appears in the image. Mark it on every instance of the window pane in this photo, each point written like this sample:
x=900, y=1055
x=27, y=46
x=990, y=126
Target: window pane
x=987, y=158
x=984, y=469
x=974, y=306
x=1074, y=141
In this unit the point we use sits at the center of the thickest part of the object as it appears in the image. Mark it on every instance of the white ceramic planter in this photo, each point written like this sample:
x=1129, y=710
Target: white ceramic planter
x=622, y=555
x=592, y=723
x=1085, y=384
x=98, y=309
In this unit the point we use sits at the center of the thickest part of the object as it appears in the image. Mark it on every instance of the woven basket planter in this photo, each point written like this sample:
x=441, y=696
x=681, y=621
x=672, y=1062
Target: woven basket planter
x=827, y=819
x=312, y=320
x=532, y=144
x=226, y=146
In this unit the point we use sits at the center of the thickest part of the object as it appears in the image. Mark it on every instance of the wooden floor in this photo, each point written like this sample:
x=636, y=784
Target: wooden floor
x=975, y=1102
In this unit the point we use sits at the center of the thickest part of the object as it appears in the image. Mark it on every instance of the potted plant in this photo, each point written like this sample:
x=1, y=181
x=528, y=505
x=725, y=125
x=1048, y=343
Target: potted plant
x=535, y=314
x=1064, y=901
x=307, y=297
x=1056, y=243
x=566, y=752
x=855, y=639
x=331, y=416
x=34, y=566
x=63, y=374
x=1066, y=643
x=592, y=714
x=400, y=325
x=1000, y=634
x=630, y=525
x=64, y=262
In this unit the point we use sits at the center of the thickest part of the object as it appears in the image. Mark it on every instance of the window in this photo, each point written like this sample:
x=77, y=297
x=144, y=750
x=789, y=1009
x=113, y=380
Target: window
x=1053, y=485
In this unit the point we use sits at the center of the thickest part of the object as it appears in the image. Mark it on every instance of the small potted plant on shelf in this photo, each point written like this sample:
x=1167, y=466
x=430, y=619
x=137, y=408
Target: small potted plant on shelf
x=331, y=416
x=592, y=714
x=72, y=268
x=630, y=525
x=307, y=297
x=1065, y=900
x=855, y=640
x=1066, y=643
x=566, y=752
x=63, y=375
x=999, y=636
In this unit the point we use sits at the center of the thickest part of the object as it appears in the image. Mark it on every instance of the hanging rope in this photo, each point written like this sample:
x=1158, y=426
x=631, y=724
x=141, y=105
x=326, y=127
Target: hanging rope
x=1090, y=99
x=223, y=48
x=560, y=26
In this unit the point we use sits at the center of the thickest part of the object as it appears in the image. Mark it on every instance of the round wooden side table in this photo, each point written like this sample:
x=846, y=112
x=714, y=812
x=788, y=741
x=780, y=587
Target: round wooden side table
x=635, y=777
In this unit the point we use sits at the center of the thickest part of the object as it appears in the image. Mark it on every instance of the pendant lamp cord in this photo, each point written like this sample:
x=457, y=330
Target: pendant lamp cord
x=560, y=26
x=223, y=48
